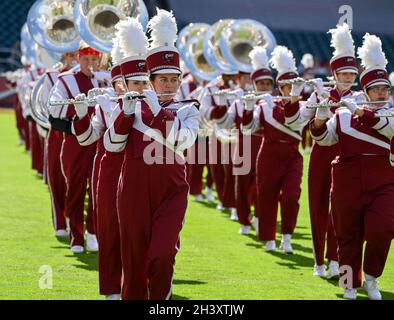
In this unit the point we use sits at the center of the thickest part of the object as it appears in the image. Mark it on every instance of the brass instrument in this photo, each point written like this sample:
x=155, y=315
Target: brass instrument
x=239, y=38
x=51, y=25
x=95, y=21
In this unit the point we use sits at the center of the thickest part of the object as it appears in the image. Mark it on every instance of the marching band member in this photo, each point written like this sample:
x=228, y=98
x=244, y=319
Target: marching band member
x=219, y=155
x=194, y=170
x=152, y=192
x=344, y=69
x=77, y=161
x=363, y=180
x=53, y=145
x=35, y=143
x=129, y=69
x=279, y=163
x=13, y=79
x=189, y=88
x=29, y=74
x=245, y=182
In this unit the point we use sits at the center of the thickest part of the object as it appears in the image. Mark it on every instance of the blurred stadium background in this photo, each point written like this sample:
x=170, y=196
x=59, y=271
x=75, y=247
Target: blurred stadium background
x=301, y=25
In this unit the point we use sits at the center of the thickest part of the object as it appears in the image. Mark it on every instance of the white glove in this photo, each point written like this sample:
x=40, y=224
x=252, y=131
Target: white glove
x=102, y=75
x=296, y=88
x=323, y=113
x=152, y=100
x=129, y=104
x=81, y=108
x=268, y=100
x=319, y=86
x=104, y=100
x=350, y=104
x=250, y=102
x=95, y=92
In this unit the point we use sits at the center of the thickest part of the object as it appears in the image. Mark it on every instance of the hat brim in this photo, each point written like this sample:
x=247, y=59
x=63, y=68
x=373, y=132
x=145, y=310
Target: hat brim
x=167, y=71
x=138, y=78
x=347, y=70
x=378, y=83
x=264, y=78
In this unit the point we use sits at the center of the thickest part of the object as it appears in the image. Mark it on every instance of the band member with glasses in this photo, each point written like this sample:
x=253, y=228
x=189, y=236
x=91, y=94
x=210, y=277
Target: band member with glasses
x=344, y=69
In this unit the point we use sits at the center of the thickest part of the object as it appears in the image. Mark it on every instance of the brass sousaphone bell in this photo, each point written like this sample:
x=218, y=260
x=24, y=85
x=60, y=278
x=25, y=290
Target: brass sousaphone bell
x=51, y=25
x=240, y=37
x=95, y=20
x=227, y=47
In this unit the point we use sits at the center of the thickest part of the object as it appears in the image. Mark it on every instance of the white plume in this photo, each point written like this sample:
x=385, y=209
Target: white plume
x=259, y=58
x=116, y=52
x=282, y=60
x=163, y=29
x=341, y=40
x=307, y=61
x=132, y=38
x=371, y=53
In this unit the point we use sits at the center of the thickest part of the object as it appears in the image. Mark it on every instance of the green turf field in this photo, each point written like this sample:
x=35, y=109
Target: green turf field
x=214, y=262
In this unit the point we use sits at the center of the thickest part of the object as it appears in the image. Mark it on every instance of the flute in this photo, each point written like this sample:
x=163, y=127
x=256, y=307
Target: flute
x=316, y=105
x=93, y=101
x=341, y=104
x=311, y=82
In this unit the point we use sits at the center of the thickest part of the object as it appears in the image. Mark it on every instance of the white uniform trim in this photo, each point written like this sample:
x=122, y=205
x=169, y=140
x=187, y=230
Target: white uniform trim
x=345, y=118
x=268, y=116
x=59, y=93
x=189, y=132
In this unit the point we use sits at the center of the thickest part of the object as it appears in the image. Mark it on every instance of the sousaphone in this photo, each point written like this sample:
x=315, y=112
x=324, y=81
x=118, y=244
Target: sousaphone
x=51, y=25
x=38, y=107
x=95, y=20
x=240, y=37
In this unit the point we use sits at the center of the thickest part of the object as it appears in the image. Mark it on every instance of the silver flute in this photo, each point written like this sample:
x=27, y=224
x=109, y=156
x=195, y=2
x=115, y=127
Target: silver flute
x=259, y=97
x=93, y=100
x=311, y=82
x=229, y=92
x=341, y=104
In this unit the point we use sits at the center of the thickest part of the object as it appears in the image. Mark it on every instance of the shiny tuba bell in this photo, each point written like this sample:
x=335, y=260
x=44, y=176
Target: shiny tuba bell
x=51, y=24
x=95, y=20
x=188, y=32
x=27, y=46
x=38, y=107
x=240, y=37
x=195, y=60
x=212, y=50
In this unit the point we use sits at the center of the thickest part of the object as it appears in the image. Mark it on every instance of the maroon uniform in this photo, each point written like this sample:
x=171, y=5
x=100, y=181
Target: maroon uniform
x=279, y=169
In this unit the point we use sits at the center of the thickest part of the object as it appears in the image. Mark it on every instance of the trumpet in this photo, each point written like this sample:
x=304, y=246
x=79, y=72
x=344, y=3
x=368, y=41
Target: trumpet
x=311, y=82
x=93, y=100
